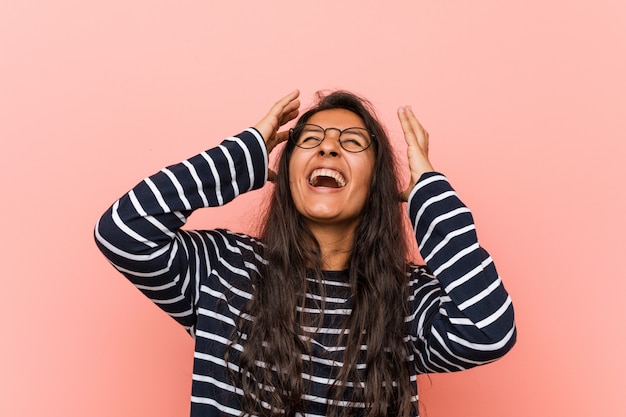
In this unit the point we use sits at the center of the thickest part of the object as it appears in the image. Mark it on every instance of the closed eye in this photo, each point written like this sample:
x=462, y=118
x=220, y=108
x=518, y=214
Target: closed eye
x=354, y=138
x=354, y=141
x=310, y=139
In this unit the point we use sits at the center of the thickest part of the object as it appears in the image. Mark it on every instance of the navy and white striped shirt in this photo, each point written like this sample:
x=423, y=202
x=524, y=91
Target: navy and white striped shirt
x=460, y=315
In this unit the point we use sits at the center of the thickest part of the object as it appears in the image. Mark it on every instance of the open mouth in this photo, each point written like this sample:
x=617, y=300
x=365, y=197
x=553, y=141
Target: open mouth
x=327, y=178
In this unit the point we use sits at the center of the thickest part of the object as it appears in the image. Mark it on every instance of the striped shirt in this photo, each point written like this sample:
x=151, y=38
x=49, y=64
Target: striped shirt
x=460, y=315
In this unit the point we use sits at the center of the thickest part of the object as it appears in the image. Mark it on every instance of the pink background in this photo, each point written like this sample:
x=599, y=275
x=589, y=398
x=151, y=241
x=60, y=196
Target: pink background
x=525, y=102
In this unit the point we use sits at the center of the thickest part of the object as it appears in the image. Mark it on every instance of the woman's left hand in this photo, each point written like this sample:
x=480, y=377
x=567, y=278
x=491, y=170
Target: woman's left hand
x=417, y=148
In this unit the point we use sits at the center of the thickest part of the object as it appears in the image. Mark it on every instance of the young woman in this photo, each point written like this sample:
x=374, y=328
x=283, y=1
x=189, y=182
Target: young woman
x=322, y=315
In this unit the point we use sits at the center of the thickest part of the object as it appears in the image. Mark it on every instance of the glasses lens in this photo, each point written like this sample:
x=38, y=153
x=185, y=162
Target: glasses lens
x=355, y=139
x=308, y=136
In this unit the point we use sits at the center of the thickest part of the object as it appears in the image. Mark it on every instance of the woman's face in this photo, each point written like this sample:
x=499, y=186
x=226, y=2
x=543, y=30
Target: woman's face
x=330, y=185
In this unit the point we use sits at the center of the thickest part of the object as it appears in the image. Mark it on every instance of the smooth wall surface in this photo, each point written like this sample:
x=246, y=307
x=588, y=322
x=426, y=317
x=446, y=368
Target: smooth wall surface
x=526, y=109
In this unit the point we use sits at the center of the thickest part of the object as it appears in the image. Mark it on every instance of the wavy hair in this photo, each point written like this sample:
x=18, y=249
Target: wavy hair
x=378, y=283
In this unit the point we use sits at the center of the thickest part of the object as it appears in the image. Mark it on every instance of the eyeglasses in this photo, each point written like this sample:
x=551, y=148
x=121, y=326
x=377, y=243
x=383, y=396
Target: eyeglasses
x=352, y=139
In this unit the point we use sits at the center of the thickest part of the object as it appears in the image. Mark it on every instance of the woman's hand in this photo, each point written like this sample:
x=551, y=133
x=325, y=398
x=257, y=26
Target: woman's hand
x=417, y=148
x=283, y=111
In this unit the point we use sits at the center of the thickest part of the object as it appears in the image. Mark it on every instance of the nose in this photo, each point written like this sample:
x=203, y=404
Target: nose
x=330, y=144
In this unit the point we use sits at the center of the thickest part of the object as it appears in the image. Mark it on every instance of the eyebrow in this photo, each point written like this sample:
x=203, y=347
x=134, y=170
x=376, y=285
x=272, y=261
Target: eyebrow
x=307, y=127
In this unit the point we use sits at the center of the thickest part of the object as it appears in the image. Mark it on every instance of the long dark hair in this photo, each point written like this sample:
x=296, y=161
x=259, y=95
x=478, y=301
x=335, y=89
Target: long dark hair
x=378, y=284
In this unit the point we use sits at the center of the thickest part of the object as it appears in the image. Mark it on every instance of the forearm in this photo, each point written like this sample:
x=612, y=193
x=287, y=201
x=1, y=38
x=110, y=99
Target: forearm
x=138, y=233
x=474, y=317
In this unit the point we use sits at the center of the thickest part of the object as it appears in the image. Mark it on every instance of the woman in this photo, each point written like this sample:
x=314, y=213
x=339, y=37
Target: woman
x=321, y=315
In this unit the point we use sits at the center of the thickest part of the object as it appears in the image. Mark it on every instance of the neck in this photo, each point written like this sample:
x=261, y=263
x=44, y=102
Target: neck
x=335, y=245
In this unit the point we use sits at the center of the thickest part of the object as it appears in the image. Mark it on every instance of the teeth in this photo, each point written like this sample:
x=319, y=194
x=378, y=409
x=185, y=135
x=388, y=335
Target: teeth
x=324, y=172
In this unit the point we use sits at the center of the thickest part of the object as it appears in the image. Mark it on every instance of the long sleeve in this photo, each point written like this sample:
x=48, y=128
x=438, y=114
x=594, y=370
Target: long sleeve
x=463, y=315
x=140, y=233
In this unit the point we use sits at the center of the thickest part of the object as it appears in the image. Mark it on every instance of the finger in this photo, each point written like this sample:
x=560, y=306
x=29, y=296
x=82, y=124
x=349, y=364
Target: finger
x=414, y=132
x=407, y=127
x=280, y=113
x=420, y=133
x=288, y=115
x=276, y=139
x=285, y=104
x=281, y=136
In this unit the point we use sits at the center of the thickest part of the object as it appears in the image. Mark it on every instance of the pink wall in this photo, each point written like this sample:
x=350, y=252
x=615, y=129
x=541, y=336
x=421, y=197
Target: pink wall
x=525, y=103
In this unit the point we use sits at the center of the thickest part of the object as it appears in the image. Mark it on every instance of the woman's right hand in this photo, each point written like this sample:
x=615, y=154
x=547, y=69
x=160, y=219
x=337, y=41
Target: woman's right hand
x=283, y=111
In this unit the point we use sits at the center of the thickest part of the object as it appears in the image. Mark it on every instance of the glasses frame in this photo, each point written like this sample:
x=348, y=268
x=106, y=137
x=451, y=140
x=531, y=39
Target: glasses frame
x=293, y=138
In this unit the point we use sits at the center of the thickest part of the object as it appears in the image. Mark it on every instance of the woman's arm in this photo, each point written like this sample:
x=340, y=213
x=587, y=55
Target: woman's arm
x=462, y=316
x=141, y=232
x=465, y=316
